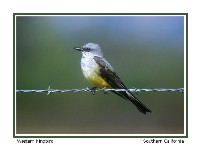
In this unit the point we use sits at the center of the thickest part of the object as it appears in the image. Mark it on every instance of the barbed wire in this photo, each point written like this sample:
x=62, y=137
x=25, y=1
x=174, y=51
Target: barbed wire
x=93, y=90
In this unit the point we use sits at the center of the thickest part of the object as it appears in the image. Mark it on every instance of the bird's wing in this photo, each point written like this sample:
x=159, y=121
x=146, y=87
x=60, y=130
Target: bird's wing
x=108, y=73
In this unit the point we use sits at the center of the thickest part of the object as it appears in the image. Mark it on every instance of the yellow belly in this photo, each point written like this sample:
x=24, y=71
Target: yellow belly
x=97, y=80
x=91, y=72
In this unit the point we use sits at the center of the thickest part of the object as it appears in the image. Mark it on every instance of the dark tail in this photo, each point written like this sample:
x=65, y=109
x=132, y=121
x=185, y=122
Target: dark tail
x=129, y=96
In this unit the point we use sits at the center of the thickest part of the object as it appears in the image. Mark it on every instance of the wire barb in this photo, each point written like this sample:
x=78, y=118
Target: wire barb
x=105, y=90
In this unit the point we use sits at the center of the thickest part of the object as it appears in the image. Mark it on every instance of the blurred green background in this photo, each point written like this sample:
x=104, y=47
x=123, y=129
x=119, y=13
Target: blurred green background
x=146, y=52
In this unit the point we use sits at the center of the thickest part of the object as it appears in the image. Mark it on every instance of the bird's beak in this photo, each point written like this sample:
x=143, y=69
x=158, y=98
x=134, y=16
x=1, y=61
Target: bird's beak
x=78, y=48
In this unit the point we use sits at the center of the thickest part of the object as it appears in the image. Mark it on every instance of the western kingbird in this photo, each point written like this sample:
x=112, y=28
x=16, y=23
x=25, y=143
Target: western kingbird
x=102, y=75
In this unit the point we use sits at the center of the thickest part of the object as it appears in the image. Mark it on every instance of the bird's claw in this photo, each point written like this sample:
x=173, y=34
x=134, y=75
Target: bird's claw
x=104, y=90
x=93, y=90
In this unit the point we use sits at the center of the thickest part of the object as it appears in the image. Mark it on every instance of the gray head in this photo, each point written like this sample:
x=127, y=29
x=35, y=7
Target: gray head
x=90, y=48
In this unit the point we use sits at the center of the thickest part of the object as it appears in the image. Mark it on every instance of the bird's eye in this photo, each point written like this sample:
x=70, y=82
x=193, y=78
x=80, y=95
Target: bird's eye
x=88, y=48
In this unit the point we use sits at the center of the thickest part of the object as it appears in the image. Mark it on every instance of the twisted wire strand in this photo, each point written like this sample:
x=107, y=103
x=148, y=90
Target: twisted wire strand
x=49, y=90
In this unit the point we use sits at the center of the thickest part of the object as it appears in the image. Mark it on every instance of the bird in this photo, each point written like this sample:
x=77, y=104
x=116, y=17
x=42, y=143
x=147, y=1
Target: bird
x=101, y=74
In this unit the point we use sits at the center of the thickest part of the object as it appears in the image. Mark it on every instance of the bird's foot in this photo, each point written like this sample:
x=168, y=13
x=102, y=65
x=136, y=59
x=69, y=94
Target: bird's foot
x=93, y=90
x=104, y=90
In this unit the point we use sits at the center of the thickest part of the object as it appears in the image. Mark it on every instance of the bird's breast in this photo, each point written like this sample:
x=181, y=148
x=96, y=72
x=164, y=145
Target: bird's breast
x=91, y=72
x=88, y=66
